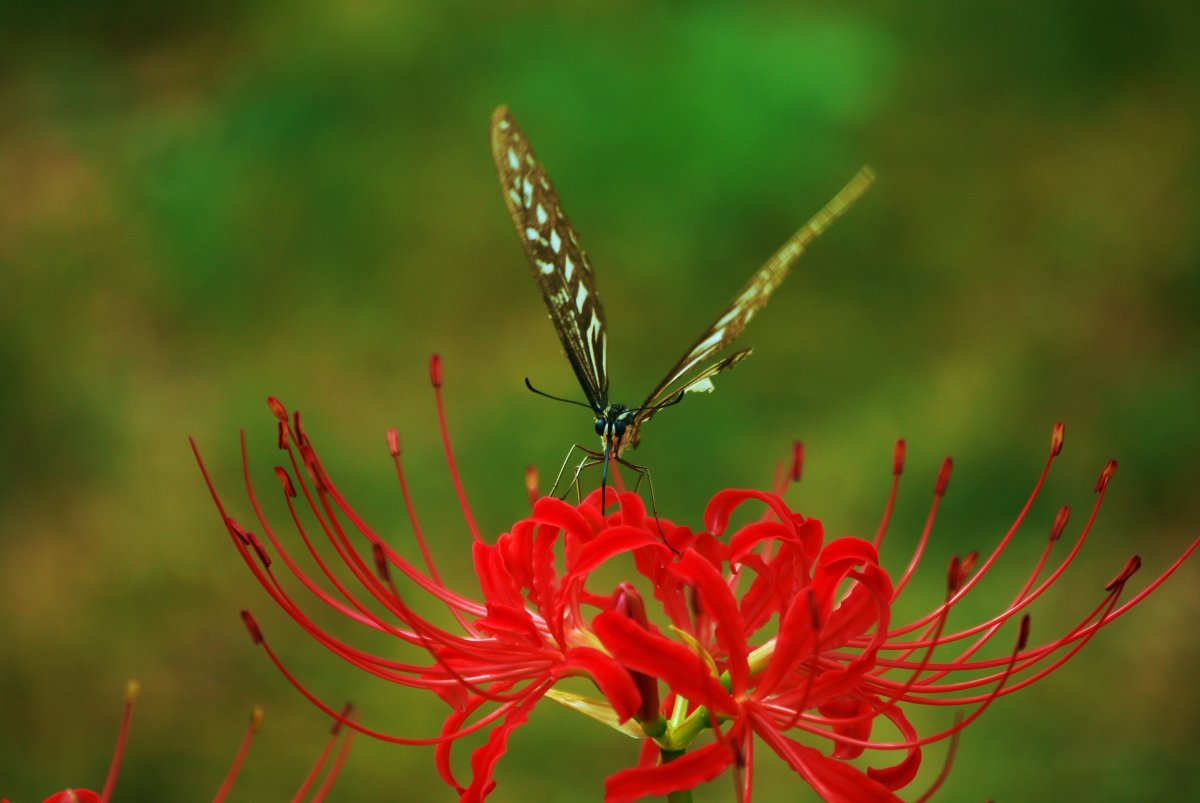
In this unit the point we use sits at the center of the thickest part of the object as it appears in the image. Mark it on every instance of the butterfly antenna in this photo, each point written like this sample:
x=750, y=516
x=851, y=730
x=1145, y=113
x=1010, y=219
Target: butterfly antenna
x=529, y=385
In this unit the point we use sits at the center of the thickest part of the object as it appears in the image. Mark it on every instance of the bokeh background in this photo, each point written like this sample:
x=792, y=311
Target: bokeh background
x=203, y=204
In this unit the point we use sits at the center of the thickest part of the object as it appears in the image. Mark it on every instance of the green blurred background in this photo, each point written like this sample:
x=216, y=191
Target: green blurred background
x=204, y=204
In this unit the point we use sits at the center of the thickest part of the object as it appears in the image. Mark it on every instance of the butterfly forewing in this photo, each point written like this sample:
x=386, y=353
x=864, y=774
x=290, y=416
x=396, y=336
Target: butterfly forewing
x=559, y=264
x=753, y=297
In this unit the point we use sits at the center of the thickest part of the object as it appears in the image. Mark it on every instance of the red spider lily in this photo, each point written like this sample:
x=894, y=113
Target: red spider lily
x=131, y=693
x=770, y=633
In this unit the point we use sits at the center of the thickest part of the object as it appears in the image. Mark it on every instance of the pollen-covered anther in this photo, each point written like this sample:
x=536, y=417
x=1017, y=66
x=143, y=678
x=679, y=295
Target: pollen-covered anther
x=132, y=689
x=1060, y=522
x=943, y=477
x=435, y=370
x=251, y=625
x=531, y=483
x=898, y=458
x=285, y=480
x=1056, y=439
x=256, y=718
x=797, y=461
x=1106, y=475
x=393, y=442
x=1129, y=570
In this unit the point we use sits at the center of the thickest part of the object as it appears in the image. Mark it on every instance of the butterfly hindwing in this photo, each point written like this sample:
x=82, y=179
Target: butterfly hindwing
x=559, y=264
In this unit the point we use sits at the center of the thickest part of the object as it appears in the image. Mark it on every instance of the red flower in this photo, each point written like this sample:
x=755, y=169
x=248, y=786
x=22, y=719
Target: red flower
x=767, y=633
x=131, y=693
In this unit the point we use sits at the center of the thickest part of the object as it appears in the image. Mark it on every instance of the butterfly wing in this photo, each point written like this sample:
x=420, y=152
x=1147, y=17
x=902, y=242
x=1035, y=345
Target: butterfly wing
x=559, y=264
x=745, y=306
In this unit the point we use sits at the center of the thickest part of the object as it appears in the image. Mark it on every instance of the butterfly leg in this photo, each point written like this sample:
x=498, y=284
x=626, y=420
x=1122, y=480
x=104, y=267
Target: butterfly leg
x=644, y=473
x=590, y=459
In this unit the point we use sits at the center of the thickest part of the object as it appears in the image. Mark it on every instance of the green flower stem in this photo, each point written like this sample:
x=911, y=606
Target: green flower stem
x=684, y=796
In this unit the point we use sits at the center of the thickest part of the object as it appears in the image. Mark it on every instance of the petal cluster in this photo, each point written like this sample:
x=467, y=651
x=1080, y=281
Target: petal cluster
x=708, y=642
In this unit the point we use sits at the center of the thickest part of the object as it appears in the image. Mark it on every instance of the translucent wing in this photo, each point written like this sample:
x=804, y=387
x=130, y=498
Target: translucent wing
x=745, y=305
x=559, y=264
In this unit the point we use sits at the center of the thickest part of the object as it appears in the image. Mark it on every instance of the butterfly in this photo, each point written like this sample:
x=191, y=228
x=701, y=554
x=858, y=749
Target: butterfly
x=568, y=284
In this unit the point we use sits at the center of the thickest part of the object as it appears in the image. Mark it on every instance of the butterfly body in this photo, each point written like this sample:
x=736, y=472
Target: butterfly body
x=568, y=284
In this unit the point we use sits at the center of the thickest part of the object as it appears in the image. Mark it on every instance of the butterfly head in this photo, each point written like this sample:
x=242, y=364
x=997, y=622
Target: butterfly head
x=611, y=425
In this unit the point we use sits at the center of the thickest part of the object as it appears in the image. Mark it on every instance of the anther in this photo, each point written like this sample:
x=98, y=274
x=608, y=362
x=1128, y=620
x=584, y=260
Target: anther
x=435, y=370
x=898, y=458
x=285, y=479
x=393, y=441
x=1130, y=569
x=1056, y=439
x=1023, y=639
x=531, y=484
x=1060, y=522
x=1106, y=475
x=797, y=460
x=943, y=477
x=251, y=625
x=277, y=408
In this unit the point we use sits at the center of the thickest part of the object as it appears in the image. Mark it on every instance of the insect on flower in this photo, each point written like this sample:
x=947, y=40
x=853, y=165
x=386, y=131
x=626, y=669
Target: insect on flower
x=568, y=284
x=709, y=641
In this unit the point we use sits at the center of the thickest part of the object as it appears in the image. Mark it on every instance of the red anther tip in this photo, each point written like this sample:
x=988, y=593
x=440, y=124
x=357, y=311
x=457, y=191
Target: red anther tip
x=954, y=574
x=1056, y=439
x=237, y=530
x=531, y=484
x=968, y=563
x=435, y=370
x=347, y=711
x=1023, y=639
x=1129, y=570
x=277, y=408
x=944, y=476
x=381, y=563
x=1106, y=475
x=251, y=625
x=1060, y=523
x=132, y=689
x=797, y=460
x=898, y=458
x=393, y=441
x=256, y=718
x=285, y=480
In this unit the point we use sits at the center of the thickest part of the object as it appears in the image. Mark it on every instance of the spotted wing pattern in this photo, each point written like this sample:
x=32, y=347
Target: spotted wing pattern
x=559, y=264
x=745, y=306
